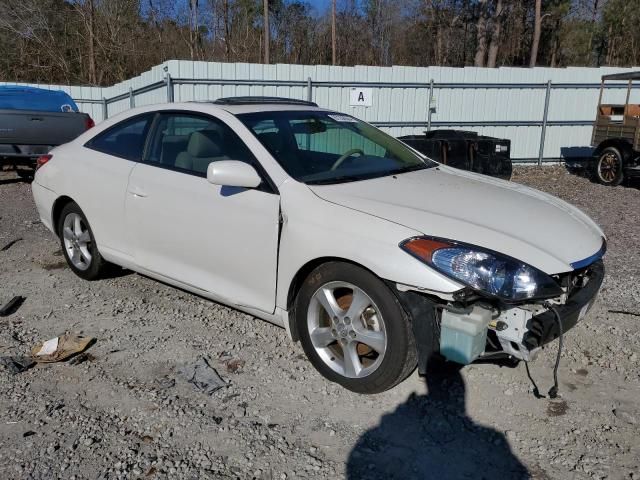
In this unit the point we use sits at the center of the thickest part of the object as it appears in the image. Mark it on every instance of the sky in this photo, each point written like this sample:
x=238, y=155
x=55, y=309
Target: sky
x=320, y=4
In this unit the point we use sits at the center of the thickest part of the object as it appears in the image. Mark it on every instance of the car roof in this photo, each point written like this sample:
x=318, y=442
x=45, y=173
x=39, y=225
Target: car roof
x=252, y=104
x=263, y=107
x=254, y=100
x=200, y=106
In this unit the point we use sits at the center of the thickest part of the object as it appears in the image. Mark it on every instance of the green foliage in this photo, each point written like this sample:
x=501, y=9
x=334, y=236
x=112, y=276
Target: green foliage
x=619, y=36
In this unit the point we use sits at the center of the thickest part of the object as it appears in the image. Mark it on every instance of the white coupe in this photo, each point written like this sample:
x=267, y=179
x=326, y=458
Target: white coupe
x=372, y=256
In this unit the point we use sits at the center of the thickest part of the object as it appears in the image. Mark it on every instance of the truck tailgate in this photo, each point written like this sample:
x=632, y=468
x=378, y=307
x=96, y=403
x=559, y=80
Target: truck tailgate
x=27, y=127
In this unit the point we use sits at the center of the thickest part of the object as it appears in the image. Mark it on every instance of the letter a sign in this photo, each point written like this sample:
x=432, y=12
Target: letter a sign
x=361, y=97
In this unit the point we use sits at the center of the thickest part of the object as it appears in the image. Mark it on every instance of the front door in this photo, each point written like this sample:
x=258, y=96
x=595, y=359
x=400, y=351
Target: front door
x=218, y=239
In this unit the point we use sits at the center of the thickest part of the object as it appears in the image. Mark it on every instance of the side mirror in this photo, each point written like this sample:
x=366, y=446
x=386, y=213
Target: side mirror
x=233, y=173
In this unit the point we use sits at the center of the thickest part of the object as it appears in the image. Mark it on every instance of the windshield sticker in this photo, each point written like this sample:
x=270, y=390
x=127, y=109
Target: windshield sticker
x=66, y=108
x=343, y=118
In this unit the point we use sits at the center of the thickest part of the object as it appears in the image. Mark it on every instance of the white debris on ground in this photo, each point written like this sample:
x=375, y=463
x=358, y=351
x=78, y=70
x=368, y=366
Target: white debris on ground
x=124, y=411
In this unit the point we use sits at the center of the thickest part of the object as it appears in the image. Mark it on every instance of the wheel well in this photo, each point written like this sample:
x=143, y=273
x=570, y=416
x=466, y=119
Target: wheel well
x=58, y=205
x=621, y=144
x=300, y=276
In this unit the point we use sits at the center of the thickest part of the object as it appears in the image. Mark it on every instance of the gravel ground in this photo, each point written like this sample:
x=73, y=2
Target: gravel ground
x=126, y=412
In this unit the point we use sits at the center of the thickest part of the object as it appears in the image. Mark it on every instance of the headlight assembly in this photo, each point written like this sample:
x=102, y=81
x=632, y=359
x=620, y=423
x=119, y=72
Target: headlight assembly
x=483, y=270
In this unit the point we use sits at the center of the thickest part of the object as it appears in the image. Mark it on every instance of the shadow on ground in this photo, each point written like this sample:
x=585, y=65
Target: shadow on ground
x=577, y=160
x=431, y=437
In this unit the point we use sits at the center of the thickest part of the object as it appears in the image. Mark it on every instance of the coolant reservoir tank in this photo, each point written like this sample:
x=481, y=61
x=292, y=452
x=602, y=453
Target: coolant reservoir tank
x=463, y=337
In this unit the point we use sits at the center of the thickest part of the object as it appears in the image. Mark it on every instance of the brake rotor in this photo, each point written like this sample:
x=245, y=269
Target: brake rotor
x=344, y=302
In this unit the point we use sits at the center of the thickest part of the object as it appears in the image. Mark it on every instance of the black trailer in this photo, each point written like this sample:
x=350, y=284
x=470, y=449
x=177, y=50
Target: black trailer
x=465, y=150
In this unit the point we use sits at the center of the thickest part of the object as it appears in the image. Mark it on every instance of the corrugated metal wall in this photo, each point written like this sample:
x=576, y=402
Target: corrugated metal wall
x=396, y=104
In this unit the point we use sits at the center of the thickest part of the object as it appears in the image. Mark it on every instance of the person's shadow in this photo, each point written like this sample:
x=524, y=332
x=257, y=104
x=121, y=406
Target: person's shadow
x=431, y=437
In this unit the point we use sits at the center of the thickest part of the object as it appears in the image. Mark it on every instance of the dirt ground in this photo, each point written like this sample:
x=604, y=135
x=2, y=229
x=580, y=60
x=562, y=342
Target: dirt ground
x=127, y=412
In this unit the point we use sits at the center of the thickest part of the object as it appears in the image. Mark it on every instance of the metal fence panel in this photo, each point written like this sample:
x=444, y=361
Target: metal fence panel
x=467, y=98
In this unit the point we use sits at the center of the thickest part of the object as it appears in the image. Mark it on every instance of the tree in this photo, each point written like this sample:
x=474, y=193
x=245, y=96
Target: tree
x=87, y=11
x=101, y=42
x=494, y=46
x=481, y=35
x=266, y=31
x=333, y=33
x=537, y=28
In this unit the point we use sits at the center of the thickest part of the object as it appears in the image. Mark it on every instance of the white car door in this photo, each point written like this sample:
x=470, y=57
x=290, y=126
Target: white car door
x=100, y=177
x=218, y=239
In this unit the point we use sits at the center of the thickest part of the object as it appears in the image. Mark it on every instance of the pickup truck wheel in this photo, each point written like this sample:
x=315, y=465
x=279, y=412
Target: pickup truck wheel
x=25, y=174
x=353, y=330
x=78, y=243
x=609, y=167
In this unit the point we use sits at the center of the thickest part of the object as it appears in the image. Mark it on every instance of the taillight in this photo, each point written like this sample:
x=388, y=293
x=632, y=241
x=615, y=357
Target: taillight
x=42, y=159
x=89, y=123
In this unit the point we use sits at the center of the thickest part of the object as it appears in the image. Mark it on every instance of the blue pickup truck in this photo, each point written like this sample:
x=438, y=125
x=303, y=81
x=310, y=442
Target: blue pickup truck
x=33, y=121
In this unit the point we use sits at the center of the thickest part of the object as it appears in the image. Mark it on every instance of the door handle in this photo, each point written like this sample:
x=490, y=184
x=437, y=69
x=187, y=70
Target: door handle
x=137, y=192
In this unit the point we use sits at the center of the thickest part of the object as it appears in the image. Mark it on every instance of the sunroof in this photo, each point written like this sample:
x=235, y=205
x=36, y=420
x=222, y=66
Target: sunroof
x=258, y=100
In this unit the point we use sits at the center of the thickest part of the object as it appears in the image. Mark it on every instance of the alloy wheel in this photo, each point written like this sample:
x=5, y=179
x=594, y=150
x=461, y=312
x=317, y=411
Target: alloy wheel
x=77, y=239
x=346, y=329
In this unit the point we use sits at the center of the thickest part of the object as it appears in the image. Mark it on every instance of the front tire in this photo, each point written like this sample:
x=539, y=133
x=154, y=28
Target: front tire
x=353, y=329
x=609, y=167
x=78, y=243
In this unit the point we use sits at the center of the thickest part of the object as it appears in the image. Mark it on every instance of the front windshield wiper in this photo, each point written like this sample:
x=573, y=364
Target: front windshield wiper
x=411, y=168
x=368, y=176
x=340, y=179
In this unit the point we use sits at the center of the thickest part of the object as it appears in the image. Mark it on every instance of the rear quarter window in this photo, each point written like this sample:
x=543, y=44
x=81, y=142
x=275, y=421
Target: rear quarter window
x=125, y=139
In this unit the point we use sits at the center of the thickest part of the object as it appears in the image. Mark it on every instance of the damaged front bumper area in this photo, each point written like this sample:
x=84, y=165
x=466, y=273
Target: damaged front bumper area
x=542, y=328
x=471, y=327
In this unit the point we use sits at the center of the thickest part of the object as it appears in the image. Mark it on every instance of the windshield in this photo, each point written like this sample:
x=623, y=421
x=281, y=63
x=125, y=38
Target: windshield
x=318, y=147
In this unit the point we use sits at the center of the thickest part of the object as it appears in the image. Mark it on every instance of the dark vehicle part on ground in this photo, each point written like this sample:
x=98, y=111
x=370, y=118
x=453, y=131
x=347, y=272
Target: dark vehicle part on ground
x=465, y=150
x=33, y=121
x=203, y=376
x=11, y=306
x=17, y=364
x=7, y=246
x=616, y=136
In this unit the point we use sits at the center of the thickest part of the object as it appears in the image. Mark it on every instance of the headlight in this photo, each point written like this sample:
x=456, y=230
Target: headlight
x=483, y=270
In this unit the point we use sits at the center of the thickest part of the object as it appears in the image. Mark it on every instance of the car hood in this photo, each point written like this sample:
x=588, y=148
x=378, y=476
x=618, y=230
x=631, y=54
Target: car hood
x=506, y=217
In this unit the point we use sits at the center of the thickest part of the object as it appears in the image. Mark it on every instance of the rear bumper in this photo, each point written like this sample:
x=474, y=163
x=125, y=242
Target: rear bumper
x=44, y=200
x=543, y=328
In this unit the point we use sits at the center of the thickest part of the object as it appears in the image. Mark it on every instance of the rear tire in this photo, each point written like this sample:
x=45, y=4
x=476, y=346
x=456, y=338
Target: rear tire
x=609, y=167
x=365, y=343
x=78, y=243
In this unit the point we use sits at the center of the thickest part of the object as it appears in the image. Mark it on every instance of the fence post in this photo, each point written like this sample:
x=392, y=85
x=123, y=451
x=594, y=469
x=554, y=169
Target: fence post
x=544, y=123
x=169, y=83
x=105, y=109
x=429, y=105
x=309, y=89
x=132, y=100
